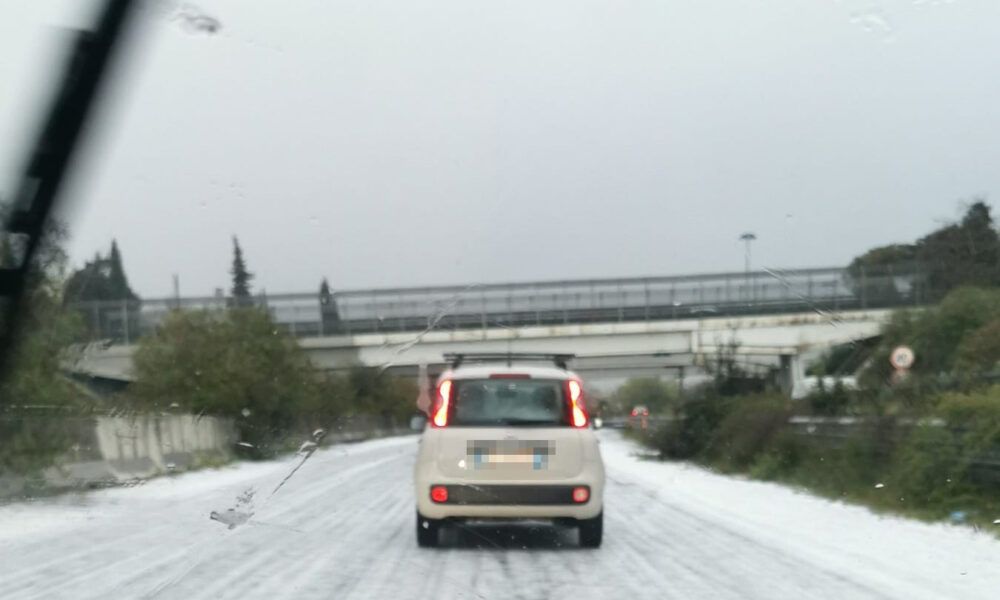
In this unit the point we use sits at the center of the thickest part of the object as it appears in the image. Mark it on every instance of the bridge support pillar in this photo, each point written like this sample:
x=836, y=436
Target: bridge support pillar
x=792, y=373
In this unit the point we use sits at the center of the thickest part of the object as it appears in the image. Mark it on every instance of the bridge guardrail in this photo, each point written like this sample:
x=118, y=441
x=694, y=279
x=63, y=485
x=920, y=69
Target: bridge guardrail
x=538, y=303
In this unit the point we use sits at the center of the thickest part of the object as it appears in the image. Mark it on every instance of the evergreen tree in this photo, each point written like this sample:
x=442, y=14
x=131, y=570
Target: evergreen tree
x=89, y=283
x=241, y=277
x=100, y=279
x=117, y=281
x=103, y=280
x=966, y=253
x=328, y=308
x=958, y=254
x=324, y=293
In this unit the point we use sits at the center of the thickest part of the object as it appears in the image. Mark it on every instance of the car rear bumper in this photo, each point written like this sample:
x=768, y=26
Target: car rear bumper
x=512, y=495
x=511, y=500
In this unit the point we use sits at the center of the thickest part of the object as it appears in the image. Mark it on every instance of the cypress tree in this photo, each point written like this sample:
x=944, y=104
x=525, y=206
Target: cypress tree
x=241, y=277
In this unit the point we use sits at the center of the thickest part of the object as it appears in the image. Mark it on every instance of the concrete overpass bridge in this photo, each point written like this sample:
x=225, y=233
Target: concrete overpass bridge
x=617, y=327
x=607, y=353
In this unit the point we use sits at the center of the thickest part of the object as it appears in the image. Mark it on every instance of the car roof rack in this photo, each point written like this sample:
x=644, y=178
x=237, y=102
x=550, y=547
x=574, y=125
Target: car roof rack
x=456, y=359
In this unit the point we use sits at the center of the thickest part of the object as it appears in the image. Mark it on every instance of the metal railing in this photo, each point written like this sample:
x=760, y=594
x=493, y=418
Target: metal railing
x=538, y=303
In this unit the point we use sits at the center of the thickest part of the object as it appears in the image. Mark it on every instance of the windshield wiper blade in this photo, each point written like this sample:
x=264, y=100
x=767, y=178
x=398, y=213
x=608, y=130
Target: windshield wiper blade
x=48, y=163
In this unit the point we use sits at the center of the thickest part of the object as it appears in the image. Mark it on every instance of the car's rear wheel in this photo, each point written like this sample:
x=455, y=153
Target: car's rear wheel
x=427, y=531
x=591, y=531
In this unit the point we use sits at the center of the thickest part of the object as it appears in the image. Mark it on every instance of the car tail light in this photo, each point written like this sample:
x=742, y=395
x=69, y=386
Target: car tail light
x=439, y=493
x=577, y=413
x=443, y=400
x=635, y=412
x=581, y=494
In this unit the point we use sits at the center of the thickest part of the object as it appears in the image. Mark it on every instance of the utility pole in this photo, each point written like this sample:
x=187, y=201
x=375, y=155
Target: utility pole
x=747, y=237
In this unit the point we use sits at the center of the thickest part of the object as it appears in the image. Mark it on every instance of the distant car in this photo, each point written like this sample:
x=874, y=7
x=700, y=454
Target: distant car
x=640, y=411
x=509, y=442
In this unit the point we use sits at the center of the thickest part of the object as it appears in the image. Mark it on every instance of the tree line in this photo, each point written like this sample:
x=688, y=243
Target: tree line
x=237, y=363
x=958, y=254
x=955, y=337
x=240, y=364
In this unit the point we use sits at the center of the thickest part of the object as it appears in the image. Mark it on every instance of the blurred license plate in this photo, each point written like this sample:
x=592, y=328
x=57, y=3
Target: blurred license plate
x=488, y=454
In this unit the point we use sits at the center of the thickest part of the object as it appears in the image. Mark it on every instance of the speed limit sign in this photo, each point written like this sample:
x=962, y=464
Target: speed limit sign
x=901, y=357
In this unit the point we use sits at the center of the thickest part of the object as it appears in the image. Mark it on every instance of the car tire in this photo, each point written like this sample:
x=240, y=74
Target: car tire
x=427, y=531
x=591, y=531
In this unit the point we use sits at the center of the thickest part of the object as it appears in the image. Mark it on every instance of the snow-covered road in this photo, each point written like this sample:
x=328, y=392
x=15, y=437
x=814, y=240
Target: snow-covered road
x=342, y=527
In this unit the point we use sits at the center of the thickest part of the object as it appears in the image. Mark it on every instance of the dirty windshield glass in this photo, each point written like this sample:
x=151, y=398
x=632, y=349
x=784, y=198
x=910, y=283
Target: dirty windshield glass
x=259, y=259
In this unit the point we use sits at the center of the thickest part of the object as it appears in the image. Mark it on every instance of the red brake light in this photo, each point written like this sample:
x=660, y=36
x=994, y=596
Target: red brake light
x=578, y=416
x=635, y=412
x=439, y=493
x=581, y=494
x=441, y=412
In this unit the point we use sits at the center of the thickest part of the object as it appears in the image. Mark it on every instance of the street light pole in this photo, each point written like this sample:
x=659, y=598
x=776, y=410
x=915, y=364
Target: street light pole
x=747, y=237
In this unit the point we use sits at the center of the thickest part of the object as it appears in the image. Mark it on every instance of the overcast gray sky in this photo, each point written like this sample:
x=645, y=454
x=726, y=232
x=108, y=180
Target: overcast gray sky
x=385, y=143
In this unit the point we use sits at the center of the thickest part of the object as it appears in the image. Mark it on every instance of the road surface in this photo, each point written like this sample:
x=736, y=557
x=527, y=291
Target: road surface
x=342, y=527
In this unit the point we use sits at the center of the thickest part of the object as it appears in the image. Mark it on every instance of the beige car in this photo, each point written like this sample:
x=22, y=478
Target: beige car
x=509, y=441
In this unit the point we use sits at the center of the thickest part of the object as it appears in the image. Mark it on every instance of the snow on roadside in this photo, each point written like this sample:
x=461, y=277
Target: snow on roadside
x=56, y=514
x=883, y=549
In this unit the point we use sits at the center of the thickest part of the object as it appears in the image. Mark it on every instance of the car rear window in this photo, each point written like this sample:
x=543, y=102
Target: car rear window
x=504, y=402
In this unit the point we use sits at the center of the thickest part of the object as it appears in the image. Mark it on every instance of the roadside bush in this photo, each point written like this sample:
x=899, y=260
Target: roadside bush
x=237, y=364
x=976, y=415
x=657, y=395
x=830, y=402
x=34, y=385
x=781, y=458
x=854, y=467
x=240, y=365
x=377, y=393
x=689, y=435
x=31, y=443
x=929, y=460
x=936, y=334
x=979, y=351
x=747, y=430
x=929, y=468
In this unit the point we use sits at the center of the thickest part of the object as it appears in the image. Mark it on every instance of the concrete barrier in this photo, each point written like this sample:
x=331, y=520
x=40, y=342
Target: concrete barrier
x=102, y=451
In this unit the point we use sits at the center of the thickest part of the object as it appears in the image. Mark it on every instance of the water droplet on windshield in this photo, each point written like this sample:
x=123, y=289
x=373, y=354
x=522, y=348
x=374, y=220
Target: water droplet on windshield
x=230, y=517
x=875, y=22
x=245, y=412
x=879, y=486
x=195, y=20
